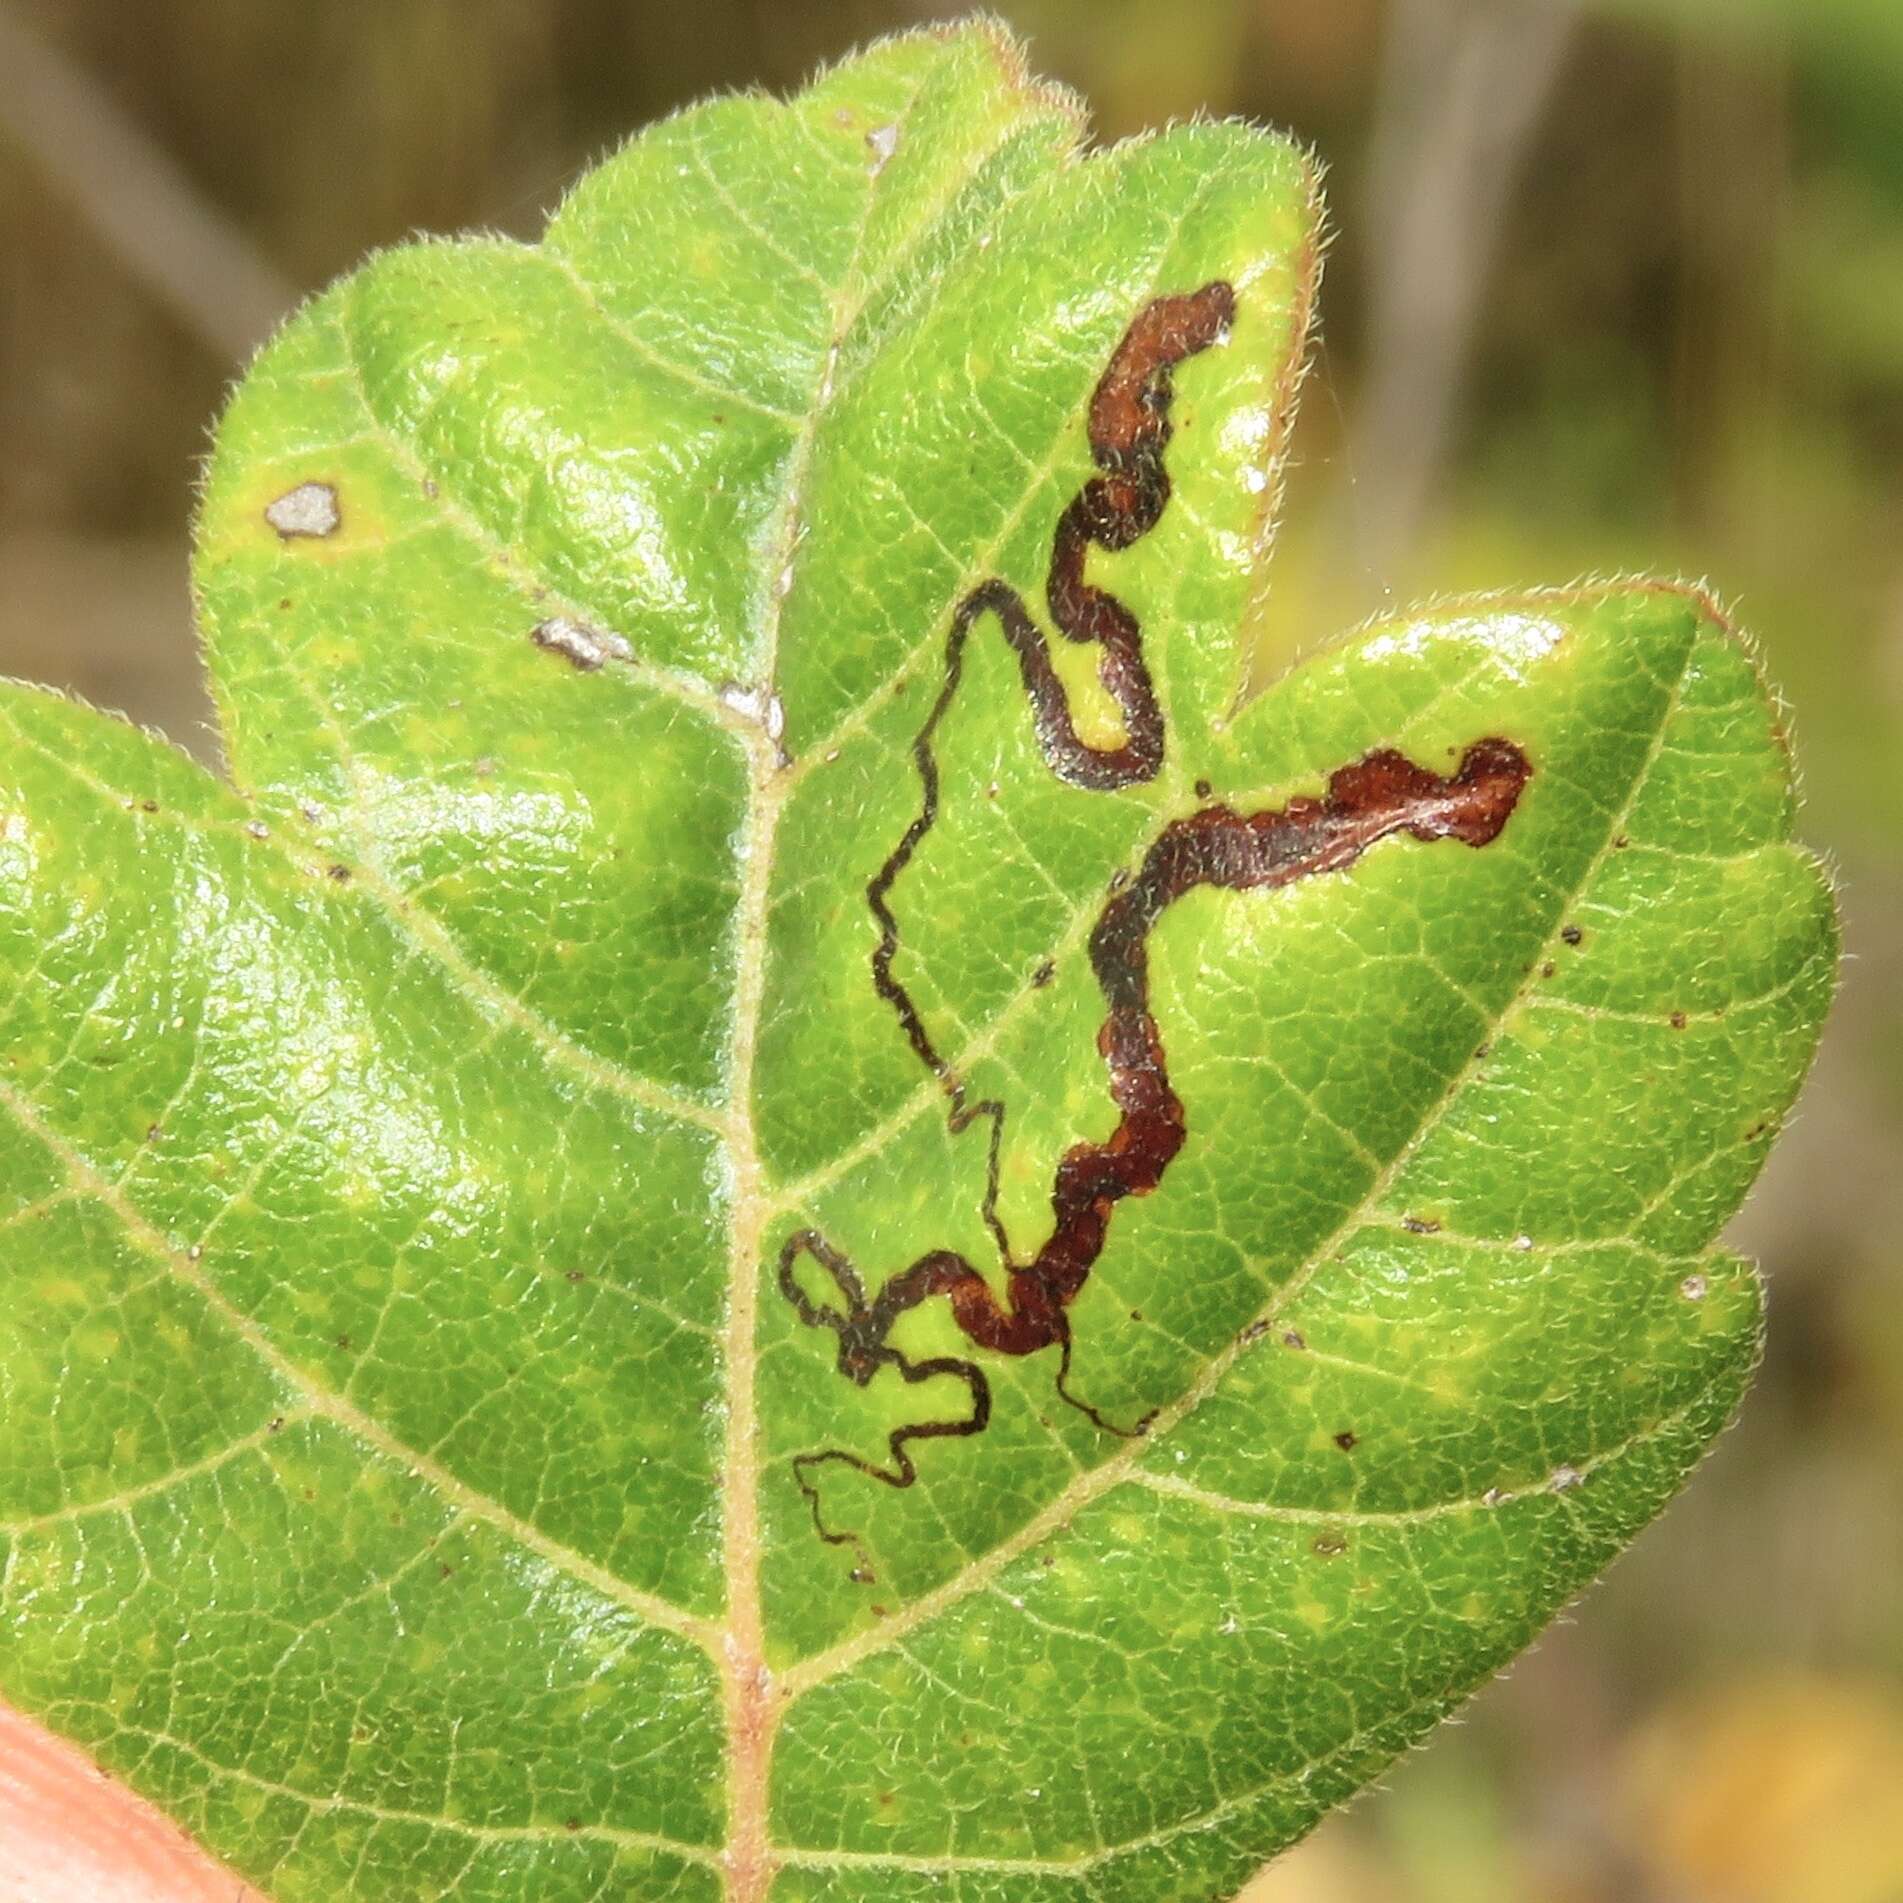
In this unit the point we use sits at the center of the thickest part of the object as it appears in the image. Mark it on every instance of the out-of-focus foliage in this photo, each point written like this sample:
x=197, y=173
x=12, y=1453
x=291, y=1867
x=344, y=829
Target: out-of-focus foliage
x=1688, y=354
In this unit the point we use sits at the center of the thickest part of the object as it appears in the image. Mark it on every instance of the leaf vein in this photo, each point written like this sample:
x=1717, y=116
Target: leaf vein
x=319, y=1400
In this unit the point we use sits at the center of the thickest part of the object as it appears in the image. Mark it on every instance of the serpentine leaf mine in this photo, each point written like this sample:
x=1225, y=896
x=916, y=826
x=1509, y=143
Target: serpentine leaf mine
x=774, y=1183
x=1380, y=795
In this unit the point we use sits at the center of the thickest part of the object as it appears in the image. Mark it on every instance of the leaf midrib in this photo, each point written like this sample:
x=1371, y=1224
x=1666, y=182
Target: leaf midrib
x=752, y=1714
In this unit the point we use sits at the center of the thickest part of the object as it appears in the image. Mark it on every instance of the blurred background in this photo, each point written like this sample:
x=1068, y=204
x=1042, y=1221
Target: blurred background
x=1618, y=285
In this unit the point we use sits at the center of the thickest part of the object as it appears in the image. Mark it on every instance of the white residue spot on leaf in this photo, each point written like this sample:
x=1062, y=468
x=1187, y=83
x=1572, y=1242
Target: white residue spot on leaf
x=747, y=702
x=882, y=142
x=580, y=642
x=308, y=510
x=760, y=705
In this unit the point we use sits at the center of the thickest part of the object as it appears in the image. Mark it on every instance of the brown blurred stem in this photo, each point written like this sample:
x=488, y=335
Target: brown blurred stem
x=1462, y=88
x=135, y=198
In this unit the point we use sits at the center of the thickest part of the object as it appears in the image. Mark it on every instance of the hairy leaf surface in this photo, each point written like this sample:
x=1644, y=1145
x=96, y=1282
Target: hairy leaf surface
x=774, y=1206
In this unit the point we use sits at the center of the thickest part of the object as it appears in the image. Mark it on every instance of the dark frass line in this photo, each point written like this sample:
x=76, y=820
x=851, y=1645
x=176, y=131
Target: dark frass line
x=1379, y=795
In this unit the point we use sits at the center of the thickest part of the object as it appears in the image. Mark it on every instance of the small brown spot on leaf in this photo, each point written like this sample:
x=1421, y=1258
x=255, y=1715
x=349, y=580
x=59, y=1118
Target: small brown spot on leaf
x=1420, y=1225
x=1678, y=1020
x=1203, y=789
x=1346, y=1440
x=1254, y=1332
x=309, y=511
x=275, y=1424
x=1548, y=969
x=1330, y=1545
x=1571, y=934
x=1293, y=1338
x=340, y=873
x=1043, y=974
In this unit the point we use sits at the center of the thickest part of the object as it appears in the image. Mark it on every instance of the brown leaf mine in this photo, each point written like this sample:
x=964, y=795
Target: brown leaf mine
x=1377, y=797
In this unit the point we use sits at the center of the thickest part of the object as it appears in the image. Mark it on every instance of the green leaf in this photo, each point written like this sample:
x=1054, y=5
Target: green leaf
x=498, y=1197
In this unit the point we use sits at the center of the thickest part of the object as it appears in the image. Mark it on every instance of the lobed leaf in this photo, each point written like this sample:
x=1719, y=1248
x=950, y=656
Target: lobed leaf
x=738, y=1226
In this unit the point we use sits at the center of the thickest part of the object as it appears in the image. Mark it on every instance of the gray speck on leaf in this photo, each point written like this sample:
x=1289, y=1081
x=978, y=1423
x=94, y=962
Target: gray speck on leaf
x=580, y=642
x=882, y=142
x=1565, y=1479
x=308, y=510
